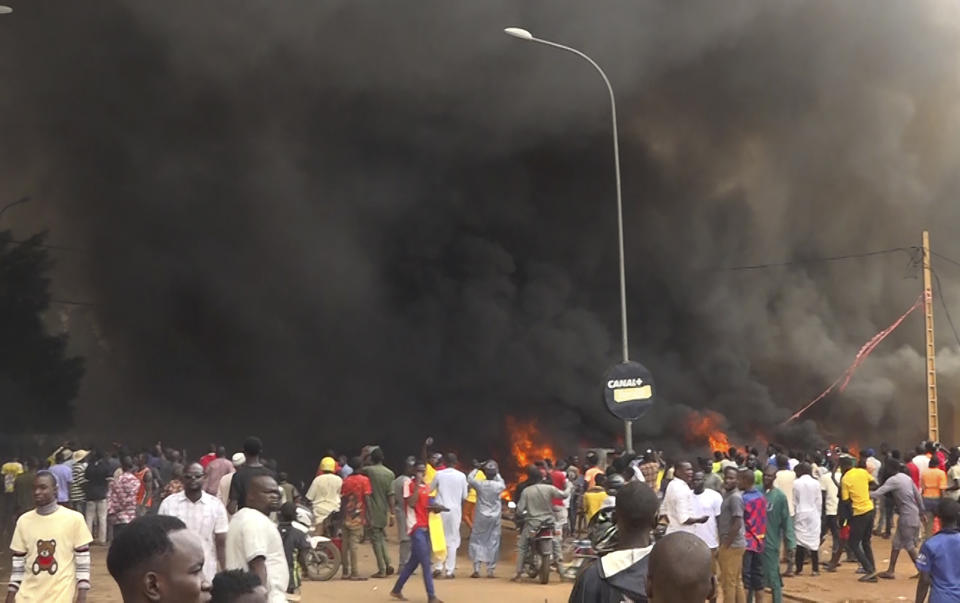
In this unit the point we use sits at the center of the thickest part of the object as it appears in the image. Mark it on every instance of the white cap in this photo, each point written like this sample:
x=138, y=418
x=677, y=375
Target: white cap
x=238, y=459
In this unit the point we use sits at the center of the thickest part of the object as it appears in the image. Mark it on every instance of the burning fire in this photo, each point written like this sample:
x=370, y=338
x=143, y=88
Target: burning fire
x=705, y=428
x=527, y=445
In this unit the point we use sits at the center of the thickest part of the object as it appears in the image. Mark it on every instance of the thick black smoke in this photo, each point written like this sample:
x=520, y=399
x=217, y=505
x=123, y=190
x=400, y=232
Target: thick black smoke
x=332, y=223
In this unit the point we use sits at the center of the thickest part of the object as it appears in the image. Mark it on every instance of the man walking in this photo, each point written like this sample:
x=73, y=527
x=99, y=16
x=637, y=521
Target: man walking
x=204, y=515
x=78, y=485
x=485, y=535
x=451, y=486
x=98, y=476
x=807, y=504
x=779, y=529
x=51, y=550
x=855, y=487
x=909, y=505
x=354, y=500
x=381, y=502
x=732, y=540
x=399, y=512
x=122, y=496
x=64, y=476
x=417, y=506
x=253, y=541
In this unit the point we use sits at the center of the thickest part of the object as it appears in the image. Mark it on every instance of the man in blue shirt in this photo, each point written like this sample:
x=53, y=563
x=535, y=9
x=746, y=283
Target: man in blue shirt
x=939, y=558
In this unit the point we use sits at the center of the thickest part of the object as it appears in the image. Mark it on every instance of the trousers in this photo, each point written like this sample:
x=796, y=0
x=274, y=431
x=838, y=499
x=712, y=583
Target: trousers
x=351, y=541
x=419, y=556
x=731, y=574
x=861, y=528
x=378, y=538
x=96, y=514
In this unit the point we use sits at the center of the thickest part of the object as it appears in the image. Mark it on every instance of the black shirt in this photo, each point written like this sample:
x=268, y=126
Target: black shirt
x=97, y=475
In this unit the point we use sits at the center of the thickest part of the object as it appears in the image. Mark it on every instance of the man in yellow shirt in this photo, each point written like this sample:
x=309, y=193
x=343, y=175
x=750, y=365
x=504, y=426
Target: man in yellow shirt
x=855, y=487
x=51, y=550
x=471, y=502
x=594, y=496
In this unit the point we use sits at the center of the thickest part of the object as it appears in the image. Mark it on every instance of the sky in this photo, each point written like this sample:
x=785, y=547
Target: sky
x=343, y=222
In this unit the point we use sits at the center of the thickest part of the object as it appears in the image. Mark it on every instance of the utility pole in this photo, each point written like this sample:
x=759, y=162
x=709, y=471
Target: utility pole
x=933, y=420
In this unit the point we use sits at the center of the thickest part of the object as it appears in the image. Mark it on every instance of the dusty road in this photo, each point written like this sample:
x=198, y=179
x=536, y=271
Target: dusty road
x=832, y=588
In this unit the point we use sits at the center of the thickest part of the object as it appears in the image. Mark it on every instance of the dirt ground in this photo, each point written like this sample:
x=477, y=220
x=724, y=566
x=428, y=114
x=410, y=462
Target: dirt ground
x=833, y=588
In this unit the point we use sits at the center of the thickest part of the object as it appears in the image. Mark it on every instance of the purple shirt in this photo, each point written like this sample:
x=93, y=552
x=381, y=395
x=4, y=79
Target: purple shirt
x=64, y=475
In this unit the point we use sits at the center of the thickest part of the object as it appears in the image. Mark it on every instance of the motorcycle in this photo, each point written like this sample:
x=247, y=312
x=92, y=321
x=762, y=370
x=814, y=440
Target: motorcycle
x=323, y=558
x=539, y=557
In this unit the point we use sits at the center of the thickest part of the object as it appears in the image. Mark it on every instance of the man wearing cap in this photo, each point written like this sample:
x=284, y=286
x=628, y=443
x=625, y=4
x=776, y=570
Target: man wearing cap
x=324, y=492
x=485, y=536
x=216, y=468
x=223, y=490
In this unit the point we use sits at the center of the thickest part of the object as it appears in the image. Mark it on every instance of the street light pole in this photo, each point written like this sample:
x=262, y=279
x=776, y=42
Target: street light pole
x=523, y=34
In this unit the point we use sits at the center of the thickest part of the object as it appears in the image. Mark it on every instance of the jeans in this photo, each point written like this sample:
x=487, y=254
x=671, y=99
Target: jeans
x=351, y=540
x=379, y=540
x=419, y=556
x=731, y=574
x=96, y=513
x=753, y=570
x=861, y=528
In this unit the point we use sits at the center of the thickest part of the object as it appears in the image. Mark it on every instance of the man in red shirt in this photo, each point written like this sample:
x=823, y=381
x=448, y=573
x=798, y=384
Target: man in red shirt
x=209, y=456
x=355, y=496
x=418, y=505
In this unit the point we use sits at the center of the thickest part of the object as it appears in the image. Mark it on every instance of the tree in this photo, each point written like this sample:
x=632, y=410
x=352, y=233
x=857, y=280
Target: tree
x=38, y=381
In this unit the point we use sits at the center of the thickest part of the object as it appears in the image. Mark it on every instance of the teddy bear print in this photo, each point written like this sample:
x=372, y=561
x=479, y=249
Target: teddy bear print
x=45, y=561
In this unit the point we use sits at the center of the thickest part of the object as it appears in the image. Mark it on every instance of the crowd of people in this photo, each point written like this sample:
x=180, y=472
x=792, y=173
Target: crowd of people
x=183, y=529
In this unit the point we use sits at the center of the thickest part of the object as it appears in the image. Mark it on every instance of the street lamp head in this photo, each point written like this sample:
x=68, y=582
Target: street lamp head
x=517, y=32
x=5, y=10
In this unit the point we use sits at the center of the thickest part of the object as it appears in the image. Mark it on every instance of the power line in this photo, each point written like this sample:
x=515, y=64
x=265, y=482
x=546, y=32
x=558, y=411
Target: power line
x=908, y=250
x=945, y=258
x=67, y=302
x=943, y=302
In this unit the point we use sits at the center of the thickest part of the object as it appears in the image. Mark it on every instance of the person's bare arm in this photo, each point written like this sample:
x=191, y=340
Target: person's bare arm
x=221, y=542
x=258, y=565
x=923, y=585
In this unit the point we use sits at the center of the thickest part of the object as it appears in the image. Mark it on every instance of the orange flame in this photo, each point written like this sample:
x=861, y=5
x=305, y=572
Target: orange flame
x=704, y=428
x=527, y=445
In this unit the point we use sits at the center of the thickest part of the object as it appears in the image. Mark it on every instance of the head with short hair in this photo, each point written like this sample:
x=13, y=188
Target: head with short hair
x=533, y=474
x=356, y=462
x=156, y=558
x=451, y=459
x=288, y=511
x=745, y=479
x=591, y=458
x=948, y=510
x=934, y=462
x=126, y=462
x=193, y=478
x=729, y=478
x=769, y=476
x=680, y=570
x=376, y=456
x=683, y=470
x=803, y=469
x=252, y=447
x=846, y=463
x=636, y=509
x=44, y=488
x=263, y=494
x=697, y=483
x=238, y=586
x=783, y=461
x=409, y=465
x=600, y=480
x=221, y=452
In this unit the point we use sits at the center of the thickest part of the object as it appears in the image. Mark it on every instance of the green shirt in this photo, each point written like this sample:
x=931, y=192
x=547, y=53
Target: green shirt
x=381, y=481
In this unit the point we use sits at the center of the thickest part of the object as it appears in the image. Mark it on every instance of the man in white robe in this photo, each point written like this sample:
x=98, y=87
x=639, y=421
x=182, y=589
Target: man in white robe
x=452, y=490
x=807, y=504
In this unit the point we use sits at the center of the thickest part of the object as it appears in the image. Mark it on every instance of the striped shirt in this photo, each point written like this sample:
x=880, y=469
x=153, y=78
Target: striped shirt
x=78, y=490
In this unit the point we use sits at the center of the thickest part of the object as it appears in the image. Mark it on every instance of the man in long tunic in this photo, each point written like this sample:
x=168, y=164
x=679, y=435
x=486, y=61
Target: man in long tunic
x=807, y=506
x=451, y=487
x=485, y=536
x=779, y=528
